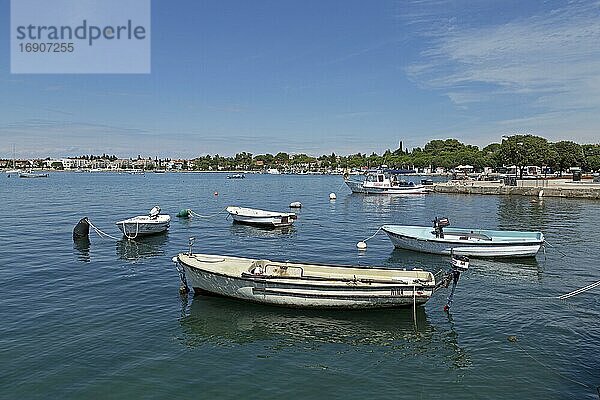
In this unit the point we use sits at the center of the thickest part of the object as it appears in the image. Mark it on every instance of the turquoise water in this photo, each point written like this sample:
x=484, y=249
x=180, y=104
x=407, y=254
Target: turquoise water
x=106, y=319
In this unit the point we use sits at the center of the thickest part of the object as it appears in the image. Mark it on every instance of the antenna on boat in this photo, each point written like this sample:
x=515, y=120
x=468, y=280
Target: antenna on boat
x=191, y=244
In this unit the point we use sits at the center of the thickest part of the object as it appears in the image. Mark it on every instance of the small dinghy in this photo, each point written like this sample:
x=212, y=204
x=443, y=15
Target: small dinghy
x=142, y=225
x=468, y=242
x=252, y=216
x=310, y=285
x=32, y=175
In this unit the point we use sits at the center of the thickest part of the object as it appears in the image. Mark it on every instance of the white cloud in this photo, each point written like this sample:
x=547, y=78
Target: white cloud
x=546, y=65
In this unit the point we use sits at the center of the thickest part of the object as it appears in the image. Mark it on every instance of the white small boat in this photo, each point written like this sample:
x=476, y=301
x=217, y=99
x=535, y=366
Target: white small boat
x=461, y=241
x=145, y=224
x=304, y=285
x=252, y=216
x=236, y=176
x=12, y=171
x=384, y=182
x=273, y=171
x=32, y=175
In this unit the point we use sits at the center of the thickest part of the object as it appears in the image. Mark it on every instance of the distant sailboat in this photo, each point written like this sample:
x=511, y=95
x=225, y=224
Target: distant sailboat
x=14, y=170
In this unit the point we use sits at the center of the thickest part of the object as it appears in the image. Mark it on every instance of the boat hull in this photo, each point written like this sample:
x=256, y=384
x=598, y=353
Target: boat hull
x=263, y=221
x=262, y=218
x=266, y=290
x=144, y=226
x=358, y=187
x=483, y=249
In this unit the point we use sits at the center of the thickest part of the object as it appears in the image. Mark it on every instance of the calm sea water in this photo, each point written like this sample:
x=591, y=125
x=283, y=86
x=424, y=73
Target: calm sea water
x=106, y=319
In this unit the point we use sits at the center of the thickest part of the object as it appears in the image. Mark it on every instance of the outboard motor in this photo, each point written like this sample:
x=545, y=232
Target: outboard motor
x=439, y=223
x=154, y=212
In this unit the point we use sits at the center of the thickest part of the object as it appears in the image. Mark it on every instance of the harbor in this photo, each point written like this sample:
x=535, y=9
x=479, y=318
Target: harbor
x=117, y=300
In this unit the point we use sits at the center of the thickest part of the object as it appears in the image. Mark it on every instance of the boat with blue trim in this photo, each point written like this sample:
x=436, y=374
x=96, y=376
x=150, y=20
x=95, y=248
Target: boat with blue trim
x=467, y=242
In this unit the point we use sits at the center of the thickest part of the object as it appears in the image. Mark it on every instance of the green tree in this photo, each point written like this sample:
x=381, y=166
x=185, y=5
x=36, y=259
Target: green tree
x=523, y=150
x=565, y=154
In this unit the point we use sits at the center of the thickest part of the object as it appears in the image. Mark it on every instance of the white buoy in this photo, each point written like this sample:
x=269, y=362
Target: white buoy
x=295, y=204
x=332, y=196
x=361, y=245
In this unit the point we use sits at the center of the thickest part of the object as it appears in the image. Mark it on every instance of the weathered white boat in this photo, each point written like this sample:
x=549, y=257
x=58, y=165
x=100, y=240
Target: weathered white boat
x=257, y=217
x=304, y=285
x=32, y=175
x=142, y=225
x=468, y=242
x=384, y=182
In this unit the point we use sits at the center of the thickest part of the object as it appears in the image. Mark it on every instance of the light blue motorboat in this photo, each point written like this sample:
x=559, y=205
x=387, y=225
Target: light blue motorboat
x=467, y=242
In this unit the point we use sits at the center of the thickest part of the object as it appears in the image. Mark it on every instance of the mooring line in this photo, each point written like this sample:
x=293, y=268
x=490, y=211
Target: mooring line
x=554, y=247
x=195, y=214
x=555, y=370
x=101, y=233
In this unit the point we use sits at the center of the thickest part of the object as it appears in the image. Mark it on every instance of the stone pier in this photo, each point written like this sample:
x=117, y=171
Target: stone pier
x=548, y=188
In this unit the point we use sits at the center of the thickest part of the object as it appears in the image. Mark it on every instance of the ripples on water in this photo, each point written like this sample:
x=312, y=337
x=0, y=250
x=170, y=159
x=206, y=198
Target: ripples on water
x=103, y=318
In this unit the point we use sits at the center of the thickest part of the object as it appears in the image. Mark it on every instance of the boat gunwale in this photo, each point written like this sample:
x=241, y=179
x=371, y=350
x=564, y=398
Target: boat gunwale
x=505, y=243
x=247, y=276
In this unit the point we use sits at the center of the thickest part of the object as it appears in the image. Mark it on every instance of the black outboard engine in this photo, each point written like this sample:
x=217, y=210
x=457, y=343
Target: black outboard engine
x=439, y=223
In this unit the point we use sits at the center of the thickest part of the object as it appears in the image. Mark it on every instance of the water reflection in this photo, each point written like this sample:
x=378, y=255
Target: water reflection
x=226, y=321
x=146, y=247
x=402, y=258
x=250, y=231
x=82, y=247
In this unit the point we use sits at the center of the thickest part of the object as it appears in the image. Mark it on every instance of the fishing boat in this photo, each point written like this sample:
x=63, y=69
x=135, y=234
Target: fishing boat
x=468, y=242
x=252, y=216
x=32, y=175
x=142, y=225
x=384, y=182
x=236, y=176
x=307, y=285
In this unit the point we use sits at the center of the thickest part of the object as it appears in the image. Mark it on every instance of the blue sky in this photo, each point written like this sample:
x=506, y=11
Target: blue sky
x=321, y=76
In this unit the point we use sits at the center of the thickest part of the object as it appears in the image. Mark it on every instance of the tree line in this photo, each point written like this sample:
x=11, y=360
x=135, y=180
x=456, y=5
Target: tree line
x=517, y=150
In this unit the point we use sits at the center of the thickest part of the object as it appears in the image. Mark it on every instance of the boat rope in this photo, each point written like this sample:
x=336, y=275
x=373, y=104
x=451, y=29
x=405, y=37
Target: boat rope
x=555, y=370
x=578, y=291
x=373, y=235
x=137, y=230
x=195, y=214
x=554, y=247
x=101, y=233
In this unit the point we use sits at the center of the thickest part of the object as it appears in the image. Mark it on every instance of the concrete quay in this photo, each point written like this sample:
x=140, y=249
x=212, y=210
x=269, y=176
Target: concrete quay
x=533, y=187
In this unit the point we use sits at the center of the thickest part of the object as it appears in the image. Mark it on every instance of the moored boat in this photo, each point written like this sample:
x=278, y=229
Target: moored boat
x=145, y=224
x=468, y=242
x=32, y=175
x=236, y=176
x=252, y=216
x=305, y=285
x=384, y=182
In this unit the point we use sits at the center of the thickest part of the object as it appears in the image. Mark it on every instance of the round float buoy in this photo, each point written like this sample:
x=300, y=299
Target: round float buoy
x=295, y=204
x=332, y=196
x=216, y=193
x=361, y=245
x=184, y=213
